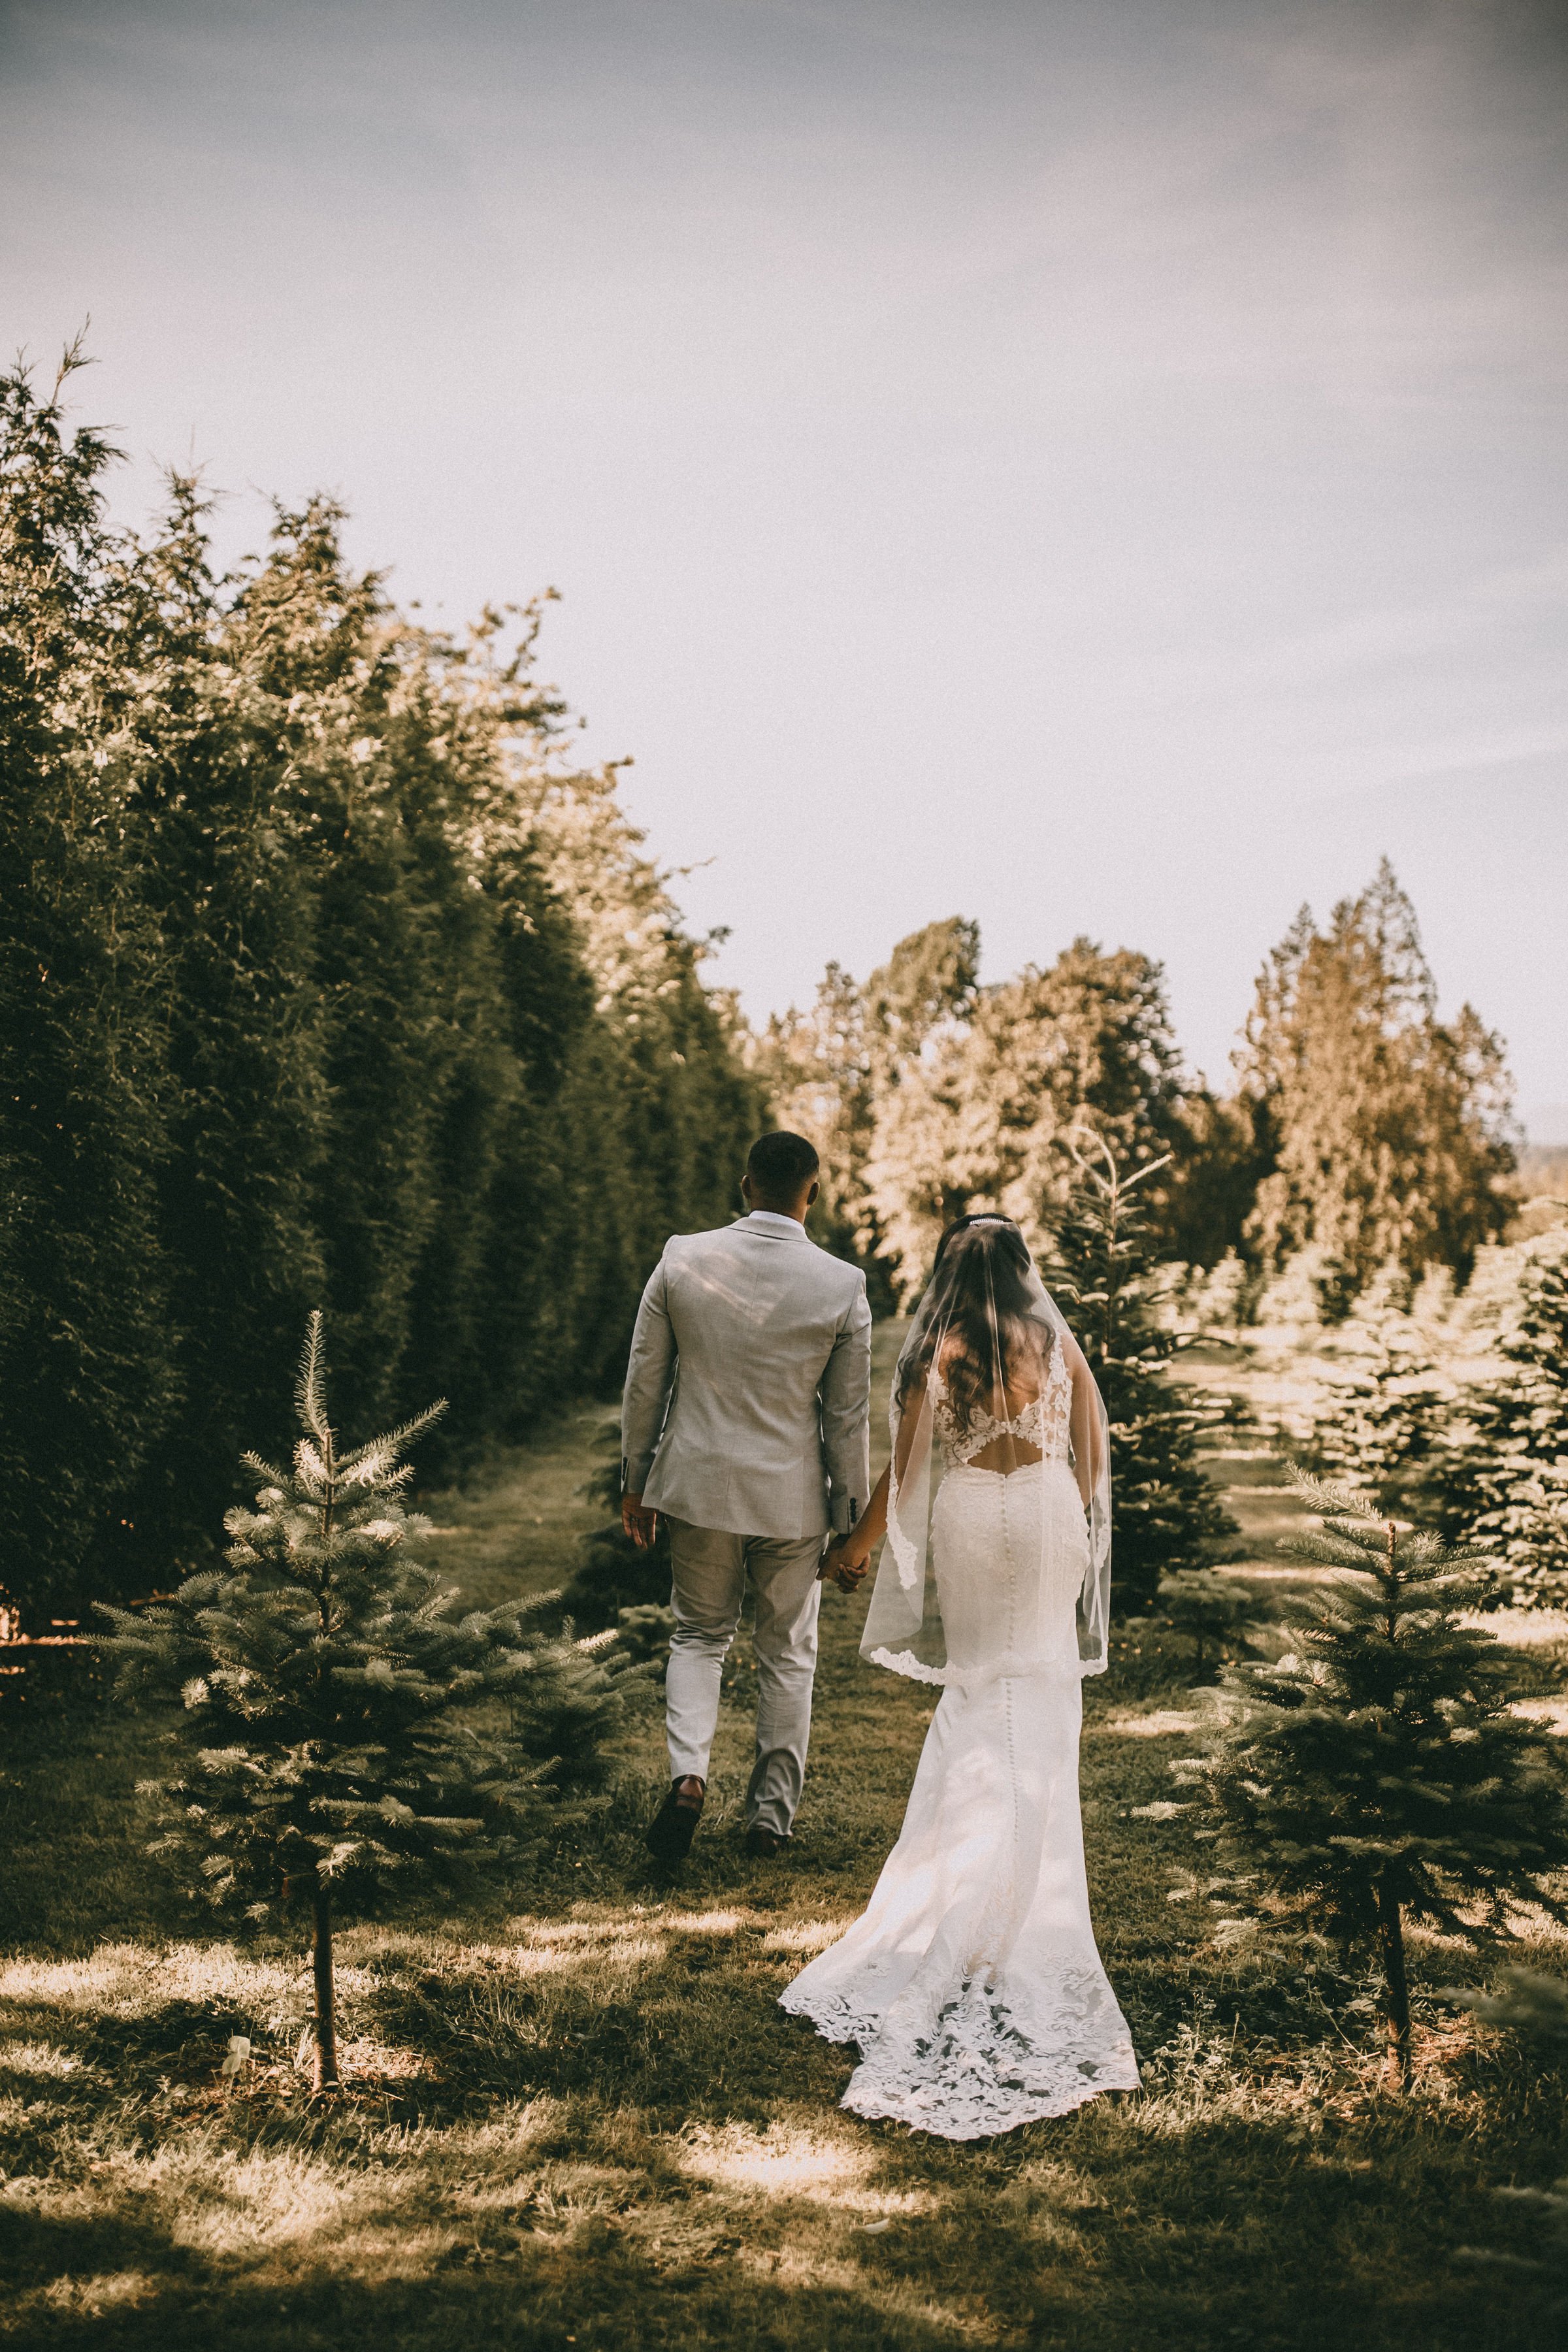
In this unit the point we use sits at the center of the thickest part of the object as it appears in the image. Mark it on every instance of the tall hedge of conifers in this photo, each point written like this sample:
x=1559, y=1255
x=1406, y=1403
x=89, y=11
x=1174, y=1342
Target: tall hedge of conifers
x=324, y=979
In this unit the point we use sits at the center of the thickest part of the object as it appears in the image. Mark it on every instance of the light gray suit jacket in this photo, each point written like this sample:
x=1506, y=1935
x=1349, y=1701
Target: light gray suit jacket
x=747, y=1394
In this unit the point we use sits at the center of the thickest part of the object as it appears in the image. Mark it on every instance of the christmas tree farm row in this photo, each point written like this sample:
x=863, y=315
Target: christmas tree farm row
x=325, y=980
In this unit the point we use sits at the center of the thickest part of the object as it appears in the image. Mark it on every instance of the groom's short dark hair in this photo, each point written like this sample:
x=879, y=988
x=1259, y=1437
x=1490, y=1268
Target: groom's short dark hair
x=781, y=1165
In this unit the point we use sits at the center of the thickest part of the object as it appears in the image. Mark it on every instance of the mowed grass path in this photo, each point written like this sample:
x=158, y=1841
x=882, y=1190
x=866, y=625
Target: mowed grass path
x=576, y=2117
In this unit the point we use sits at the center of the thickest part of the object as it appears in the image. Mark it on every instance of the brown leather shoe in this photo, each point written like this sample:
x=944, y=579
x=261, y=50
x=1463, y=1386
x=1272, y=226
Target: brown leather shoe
x=763, y=1843
x=673, y=1827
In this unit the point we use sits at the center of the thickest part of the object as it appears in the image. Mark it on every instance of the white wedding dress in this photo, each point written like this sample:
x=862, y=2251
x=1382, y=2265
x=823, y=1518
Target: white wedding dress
x=971, y=1983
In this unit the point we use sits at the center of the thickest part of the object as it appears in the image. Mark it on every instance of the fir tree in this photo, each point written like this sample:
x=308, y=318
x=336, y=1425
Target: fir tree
x=346, y=1725
x=1534, y=2008
x=973, y=1107
x=1376, y=1772
x=86, y=1358
x=1210, y=1610
x=1165, y=1514
x=1503, y=1475
x=1216, y=1300
x=927, y=1095
x=322, y=975
x=818, y=1069
x=1389, y=1132
x=1375, y=1420
x=220, y=828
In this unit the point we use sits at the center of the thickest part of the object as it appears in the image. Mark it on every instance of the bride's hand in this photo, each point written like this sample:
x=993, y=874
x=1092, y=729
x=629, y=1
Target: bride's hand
x=845, y=1571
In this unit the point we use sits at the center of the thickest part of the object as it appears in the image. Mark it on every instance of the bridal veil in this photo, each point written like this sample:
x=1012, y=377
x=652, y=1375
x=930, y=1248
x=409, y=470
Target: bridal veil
x=986, y=1316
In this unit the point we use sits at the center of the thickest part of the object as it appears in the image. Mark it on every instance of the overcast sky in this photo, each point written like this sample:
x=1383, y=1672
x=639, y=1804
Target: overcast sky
x=1092, y=466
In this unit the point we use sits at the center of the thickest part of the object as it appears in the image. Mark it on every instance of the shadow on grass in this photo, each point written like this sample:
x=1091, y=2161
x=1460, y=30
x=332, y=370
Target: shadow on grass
x=36, y=2250
x=1086, y=2241
x=494, y=2287
x=685, y=2036
x=611, y=2136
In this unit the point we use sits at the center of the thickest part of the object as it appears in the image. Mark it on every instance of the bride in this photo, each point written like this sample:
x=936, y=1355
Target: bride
x=971, y=1983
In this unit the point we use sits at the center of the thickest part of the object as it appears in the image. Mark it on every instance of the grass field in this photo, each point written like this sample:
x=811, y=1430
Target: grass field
x=574, y=2114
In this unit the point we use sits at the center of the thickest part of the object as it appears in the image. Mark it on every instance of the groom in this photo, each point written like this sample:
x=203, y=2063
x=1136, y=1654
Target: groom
x=744, y=1422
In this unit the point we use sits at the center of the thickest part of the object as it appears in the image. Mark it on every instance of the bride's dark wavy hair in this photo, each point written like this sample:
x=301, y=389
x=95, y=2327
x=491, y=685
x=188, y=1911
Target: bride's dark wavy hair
x=978, y=1297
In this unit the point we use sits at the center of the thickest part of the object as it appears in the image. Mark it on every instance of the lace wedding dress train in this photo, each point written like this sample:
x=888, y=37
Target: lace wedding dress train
x=971, y=1984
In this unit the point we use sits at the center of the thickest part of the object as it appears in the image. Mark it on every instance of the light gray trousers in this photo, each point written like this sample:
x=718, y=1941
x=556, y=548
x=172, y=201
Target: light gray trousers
x=712, y=1570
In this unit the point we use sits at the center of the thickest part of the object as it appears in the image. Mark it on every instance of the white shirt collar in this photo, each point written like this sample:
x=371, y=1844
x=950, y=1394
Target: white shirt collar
x=772, y=1221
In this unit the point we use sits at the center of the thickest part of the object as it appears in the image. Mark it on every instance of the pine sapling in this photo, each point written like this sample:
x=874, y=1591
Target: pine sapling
x=1376, y=1773
x=1374, y=1421
x=1210, y=1610
x=1504, y=1478
x=347, y=1727
x=1166, y=1515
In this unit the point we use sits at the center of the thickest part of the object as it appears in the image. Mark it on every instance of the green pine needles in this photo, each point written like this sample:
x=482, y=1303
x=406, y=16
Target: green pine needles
x=346, y=1725
x=1381, y=1405
x=1506, y=1470
x=1165, y=1513
x=1376, y=1773
x=326, y=975
x=1210, y=1610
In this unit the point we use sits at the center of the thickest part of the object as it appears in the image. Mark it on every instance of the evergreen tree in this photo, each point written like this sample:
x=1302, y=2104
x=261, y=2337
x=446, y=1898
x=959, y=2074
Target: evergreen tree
x=1215, y=1300
x=1376, y=1773
x=971, y=1111
x=1502, y=1473
x=657, y=1109
x=1388, y=1129
x=817, y=1069
x=1211, y=1609
x=219, y=842
x=931, y=977
x=86, y=1358
x=1218, y=1158
x=1530, y=2004
x=1375, y=1417
x=318, y=640
x=1165, y=1514
x=927, y=1096
x=852, y=1073
x=345, y=1725
x=322, y=973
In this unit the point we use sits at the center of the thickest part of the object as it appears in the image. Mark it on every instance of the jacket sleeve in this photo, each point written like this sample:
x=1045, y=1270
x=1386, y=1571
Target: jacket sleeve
x=846, y=1401
x=649, y=1373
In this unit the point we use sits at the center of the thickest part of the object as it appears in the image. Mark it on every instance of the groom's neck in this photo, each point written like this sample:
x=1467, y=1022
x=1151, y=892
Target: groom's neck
x=797, y=1207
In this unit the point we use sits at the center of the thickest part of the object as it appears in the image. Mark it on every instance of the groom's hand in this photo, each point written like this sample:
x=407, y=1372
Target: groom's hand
x=838, y=1567
x=641, y=1525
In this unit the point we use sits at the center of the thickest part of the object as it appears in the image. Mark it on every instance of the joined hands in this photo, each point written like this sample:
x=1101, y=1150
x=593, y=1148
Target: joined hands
x=841, y=1567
